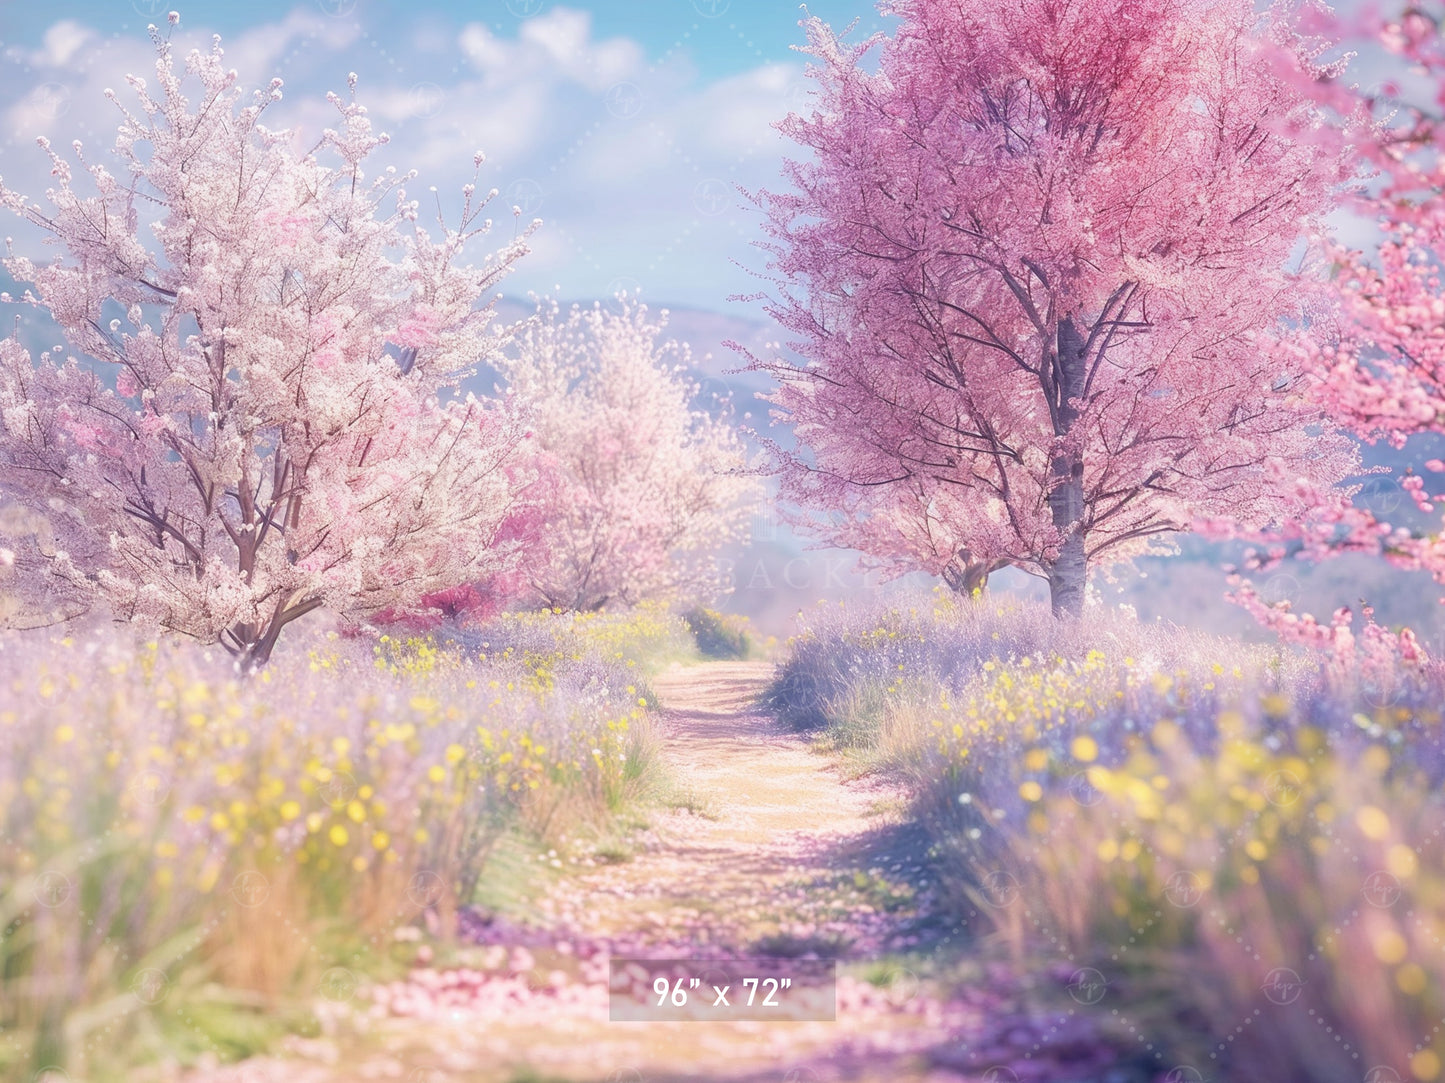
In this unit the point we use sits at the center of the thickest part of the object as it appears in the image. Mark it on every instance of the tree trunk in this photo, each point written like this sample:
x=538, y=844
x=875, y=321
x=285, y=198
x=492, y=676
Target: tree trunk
x=257, y=653
x=1069, y=572
x=252, y=644
x=967, y=576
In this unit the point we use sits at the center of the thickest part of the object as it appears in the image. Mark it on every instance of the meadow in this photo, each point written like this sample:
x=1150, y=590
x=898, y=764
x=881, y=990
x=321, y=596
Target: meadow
x=1157, y=850
x=1233, y=848
x=178, y=836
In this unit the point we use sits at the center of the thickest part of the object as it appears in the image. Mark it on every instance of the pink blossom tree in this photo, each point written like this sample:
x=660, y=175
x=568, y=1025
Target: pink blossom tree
x=1382, y=371
x=648, y=487
x=1386, y=371
x=267, y=420
x=1036, y=266
x=1378, y=364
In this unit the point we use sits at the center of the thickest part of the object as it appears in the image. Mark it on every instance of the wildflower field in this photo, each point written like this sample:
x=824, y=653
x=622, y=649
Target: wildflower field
x=176, y=835
x=1234, y=851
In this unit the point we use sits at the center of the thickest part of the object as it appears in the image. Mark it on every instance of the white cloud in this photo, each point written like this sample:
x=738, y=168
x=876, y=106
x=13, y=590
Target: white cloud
x=558, y=45
x=563, y=33
x=257, y=53
x=618, y=151
x=734, y=116
x=615, y=147
x=61, y=42
x=485, y=51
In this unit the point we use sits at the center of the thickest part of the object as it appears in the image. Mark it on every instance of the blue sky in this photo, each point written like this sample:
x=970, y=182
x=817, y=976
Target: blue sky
x=624, y=126
x=722, y=36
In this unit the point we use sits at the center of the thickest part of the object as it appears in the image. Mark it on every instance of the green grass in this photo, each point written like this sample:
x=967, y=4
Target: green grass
x=687, y=799
x=720, y=636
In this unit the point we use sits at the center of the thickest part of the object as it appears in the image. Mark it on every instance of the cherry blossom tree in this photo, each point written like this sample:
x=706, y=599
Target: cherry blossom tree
x=1382, y=372
x=903, y=529
x=1386, y=372
x=648, y=488
x=1378, y=364
x=265, y=420
x=1036, y=266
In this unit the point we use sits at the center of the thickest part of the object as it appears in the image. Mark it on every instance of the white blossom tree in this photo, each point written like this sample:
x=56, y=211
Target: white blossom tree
x=264, y=417
x=648, y=488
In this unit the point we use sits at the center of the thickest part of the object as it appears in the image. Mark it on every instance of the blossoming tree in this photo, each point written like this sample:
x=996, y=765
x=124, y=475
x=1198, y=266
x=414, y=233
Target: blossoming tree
x=1383, y=373
x=647, y=487
x=1378, y=365
x=265, y=422
x=1035, y=267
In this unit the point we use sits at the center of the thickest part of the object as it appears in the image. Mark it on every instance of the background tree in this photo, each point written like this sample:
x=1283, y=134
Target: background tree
x=900, y=528
x=1382, y=372
x=275, y=431
x=648, y=488
x=1035, y=267
x=1378, y=362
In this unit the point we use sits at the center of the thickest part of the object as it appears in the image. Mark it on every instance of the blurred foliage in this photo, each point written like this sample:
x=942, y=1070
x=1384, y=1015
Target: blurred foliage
x=1225, y=832
x=176, y=835
x=719, y=635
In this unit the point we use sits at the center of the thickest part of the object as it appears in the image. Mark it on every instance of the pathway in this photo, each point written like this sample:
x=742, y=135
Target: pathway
x=771, y=850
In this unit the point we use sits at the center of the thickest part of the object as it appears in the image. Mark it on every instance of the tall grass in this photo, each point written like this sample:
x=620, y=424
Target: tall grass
x=169, y=831
x=1243, y=841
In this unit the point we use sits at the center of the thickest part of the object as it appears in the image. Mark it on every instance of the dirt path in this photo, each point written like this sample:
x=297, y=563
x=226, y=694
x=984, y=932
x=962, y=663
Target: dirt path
x=770, y=850
x=767, y=856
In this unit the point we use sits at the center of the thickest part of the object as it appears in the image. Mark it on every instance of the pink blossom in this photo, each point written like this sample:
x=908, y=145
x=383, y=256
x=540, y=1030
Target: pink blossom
x=419, y=329
x=643, y=492
x=286, y=228
x=1036, y=260
x=85, y=435
x=1375, y=360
